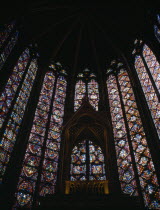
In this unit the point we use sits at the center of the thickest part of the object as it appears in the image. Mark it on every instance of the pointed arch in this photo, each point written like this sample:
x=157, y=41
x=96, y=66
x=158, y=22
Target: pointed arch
x=86, y=86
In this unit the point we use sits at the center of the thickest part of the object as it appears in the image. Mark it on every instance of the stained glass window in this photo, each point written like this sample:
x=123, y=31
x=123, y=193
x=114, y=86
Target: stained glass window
x=147, y=81
x=50, y=163
x=87, y=85
x=5, y=31
x=157, y=32
x=4, y=34
x=12, y=85
x=83, y=169
x=152, y=64
x=45, y=136
x=93, y=93
x=33, y=154
x=137, y=142
x=124, y=160
x=15, y=119
x=80, y=91
x=157, y=28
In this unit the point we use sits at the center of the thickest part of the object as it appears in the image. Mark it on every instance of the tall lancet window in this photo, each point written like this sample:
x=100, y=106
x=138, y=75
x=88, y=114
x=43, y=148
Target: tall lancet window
x=86, y=86
x=8, y=39
x=157, y=28
x=148, y=71
x=13, y=102
x=80, y=91
x=87, y=162
x=133, y=154
x=40, y=164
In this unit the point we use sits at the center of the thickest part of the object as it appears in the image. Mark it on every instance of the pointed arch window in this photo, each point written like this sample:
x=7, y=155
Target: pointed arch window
x=93, y=93
x=148, y=71
x=133, y=154
x=8, y=39
x=86, y=85
x=80, y=91
x=40, y=164
x=13, y=108
x=87, y=162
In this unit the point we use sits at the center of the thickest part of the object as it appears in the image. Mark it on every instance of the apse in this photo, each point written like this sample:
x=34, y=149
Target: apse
x=79, y=105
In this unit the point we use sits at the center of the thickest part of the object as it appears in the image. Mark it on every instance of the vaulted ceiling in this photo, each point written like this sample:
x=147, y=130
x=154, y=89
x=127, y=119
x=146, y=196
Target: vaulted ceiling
x=82, y=35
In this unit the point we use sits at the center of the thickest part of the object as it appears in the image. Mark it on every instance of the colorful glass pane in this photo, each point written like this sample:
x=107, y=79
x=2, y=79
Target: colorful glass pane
x=124, y=160
x=148, y=89
x=93, y=93
x=8, y=48
x=145, y=167
x=32, y=158
x=50, y=163
x=13, y=83
x=153, y=65
x=157, y=32
x=14, y=122
x=5, y=32
x=80, y=91
x=96, y=163
x=79, y=163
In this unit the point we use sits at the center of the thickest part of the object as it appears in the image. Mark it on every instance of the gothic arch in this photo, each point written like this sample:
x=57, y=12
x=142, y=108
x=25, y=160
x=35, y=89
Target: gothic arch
x=86, y=123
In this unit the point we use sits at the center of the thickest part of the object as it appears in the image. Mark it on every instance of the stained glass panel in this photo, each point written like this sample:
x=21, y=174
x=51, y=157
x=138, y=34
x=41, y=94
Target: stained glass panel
x=50, y=163
x=32, y=157
x=8, y=48
x=153, y=65
x=13, y=125
x=157, y=32
x=145, y=167
x=124, y=160
x=79, y=163
x=96, y=165
x=149, y=91
x=80, y=91
x=93, y=93
x=10, y=89
x=5, y=32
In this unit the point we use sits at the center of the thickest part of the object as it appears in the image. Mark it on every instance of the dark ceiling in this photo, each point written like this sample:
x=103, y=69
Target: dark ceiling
x=81, y=35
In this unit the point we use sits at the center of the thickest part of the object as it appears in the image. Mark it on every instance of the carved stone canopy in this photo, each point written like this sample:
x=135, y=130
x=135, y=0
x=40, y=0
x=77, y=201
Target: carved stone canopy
x=87, y=123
